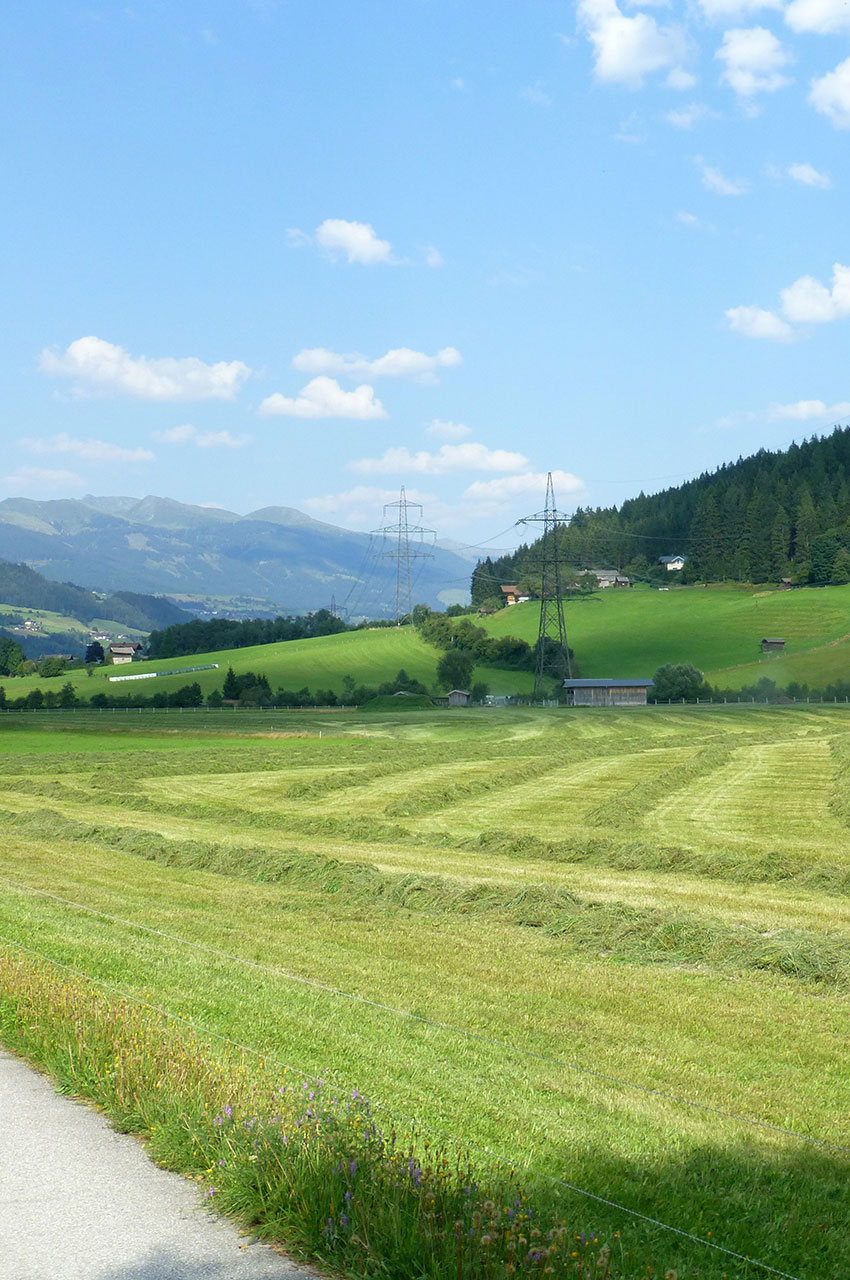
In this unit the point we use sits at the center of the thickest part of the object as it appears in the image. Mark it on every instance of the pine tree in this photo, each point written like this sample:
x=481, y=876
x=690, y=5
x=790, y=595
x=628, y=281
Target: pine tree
x=231, y=688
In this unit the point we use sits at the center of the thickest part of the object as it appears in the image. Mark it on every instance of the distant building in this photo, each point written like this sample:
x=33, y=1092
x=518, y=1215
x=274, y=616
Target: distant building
x=772, y=644
x=123, y=652
x=510, y=595
x=459, y=697
x=673, y=564
x=607, y=693
x=608, y=577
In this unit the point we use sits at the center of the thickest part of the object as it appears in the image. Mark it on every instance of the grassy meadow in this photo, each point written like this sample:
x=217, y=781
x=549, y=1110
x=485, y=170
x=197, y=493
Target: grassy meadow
x=718, y=628
x=606, y=951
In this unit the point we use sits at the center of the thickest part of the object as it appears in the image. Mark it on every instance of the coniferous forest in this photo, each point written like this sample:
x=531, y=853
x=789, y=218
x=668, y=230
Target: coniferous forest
x=760, y=519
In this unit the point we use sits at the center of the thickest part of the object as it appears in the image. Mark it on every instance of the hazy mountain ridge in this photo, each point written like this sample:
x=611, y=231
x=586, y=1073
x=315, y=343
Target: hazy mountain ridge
x=153, y=545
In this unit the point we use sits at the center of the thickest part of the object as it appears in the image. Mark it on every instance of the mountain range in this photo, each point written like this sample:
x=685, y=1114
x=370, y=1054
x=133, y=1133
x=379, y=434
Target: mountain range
x=275, y=560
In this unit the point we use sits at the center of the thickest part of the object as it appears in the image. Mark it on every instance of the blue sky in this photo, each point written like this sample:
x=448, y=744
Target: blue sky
x=304, y=252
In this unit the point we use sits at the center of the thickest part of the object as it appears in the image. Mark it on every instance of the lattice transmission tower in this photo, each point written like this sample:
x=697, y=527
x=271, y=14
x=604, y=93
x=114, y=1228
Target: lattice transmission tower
x=404, y=542
x=552, y=656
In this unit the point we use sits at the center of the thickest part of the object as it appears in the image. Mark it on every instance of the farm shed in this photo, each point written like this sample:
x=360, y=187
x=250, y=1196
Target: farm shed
x=607, y=693
x=459, y=697
x=124, y=652
x=772, y=644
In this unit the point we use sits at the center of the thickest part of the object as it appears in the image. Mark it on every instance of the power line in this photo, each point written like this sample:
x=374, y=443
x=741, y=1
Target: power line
x=314, y=983
x=538, y=1173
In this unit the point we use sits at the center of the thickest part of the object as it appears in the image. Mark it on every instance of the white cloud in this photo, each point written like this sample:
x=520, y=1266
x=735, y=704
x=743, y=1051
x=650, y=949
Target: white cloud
x=536, y=95
x=433, y=257
x=809, y=176
x=680, y=79
x=714, y=180
x=458, y=83
x=726, y=10
x=101, y=367
x=531, y=485
x=687, y=117
x=628, y=48
x=187, y=434
x=753, y=59
x=361, y=506
x=691, y=220
x=830, y=94
x=439, y=429
x=401, y=362
x=91, y=450
x=805, y=410
x=822, y=17
x=447, y=459
x=325, y=398
x=754, y=322
x=25, y=479
x=808, y=301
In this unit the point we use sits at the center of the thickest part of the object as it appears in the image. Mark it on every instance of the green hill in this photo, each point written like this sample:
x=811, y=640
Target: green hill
x=369, y=657
x=719, y=629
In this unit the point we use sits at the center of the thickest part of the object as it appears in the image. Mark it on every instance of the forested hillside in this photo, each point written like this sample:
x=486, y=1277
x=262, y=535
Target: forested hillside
x=771, y=516
x=22, y=586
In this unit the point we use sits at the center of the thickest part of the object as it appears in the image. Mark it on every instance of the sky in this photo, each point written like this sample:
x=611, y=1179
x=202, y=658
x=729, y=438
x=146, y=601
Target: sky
x=304, y=252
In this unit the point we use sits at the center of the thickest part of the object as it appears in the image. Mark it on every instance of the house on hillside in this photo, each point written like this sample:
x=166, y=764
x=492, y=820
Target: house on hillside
x=772, y=644
x=510, y=595
x=673, y=564
x=123, y=651
x=608, y=577
x=607, y=693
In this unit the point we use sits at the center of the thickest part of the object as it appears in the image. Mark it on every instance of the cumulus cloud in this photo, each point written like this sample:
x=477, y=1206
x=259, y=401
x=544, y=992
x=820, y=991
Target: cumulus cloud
x=91, y=450
x=808, y=301
x=355, y=241
x=101, y=367
x=528, y=485
x=809, y=176
x=680, y=79
x=687, y=117
x=325, y=398
x=440, y=429
x=755, y=322
x=401, y=362
x=822, y=17
x=752, y=59
x=187, y=434
x=629, y=48
x=830, y=94
x=361, y=506
x=26, y=479
x=448, y=458
x=433, y=257
x=805, y=410
x=716, y=181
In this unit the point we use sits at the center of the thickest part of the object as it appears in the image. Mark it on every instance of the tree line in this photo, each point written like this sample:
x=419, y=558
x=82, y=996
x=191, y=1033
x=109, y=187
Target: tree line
x=782, y=514
x=208, y=635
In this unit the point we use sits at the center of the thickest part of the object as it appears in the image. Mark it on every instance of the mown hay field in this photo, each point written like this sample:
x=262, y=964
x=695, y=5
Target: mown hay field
x=609, y=949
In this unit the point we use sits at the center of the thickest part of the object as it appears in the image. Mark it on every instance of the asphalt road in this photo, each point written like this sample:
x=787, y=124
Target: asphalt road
x=81, y=1202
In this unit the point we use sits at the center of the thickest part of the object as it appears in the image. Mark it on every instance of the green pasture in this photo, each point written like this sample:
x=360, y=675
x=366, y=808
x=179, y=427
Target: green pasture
x=610, y=948
x=63, y=624
x=719, y=629
x=369, y=657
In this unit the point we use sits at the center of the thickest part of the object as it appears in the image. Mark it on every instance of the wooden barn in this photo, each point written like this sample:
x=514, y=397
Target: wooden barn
x=607, y=693
x=772, y=644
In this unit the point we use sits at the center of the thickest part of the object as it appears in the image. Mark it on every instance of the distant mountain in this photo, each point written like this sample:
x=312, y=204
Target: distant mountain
x=276, y=559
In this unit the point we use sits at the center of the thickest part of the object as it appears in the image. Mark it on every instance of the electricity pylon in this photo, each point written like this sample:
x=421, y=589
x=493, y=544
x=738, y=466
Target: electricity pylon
x=552, y=656
x=404, y=542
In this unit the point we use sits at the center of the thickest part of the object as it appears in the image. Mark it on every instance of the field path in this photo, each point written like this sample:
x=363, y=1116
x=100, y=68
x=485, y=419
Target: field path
x=81, y=1201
